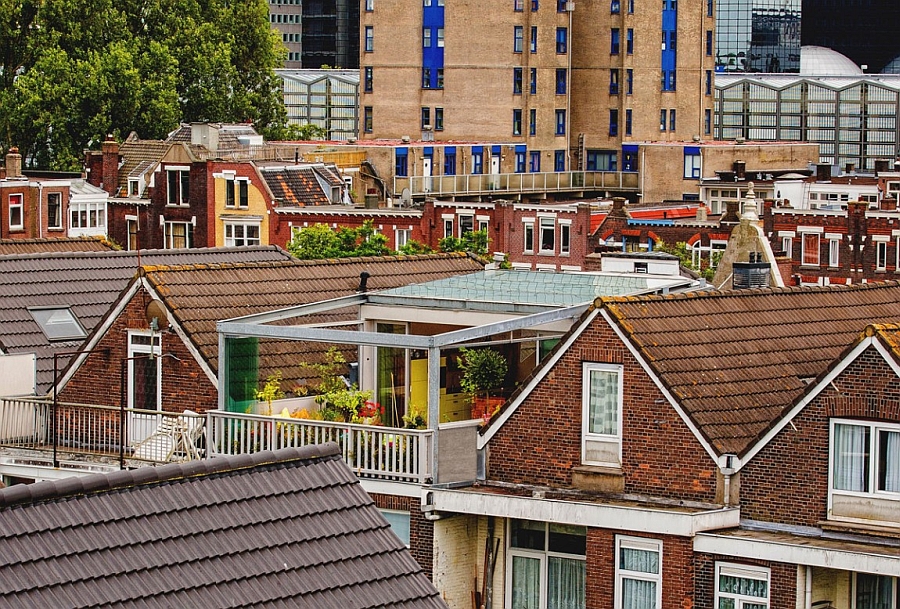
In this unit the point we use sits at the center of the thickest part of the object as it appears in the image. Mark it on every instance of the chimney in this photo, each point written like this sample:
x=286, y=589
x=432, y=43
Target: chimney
x=888, y=204
x=731, y=213
x=618, y=208
x=751, y=274
x=363, y=279
x=110, y=170
x=702, y=213
x=823, y=172
x=882, y=165
x=740, y=169
x=13, y=163
x=850, y=168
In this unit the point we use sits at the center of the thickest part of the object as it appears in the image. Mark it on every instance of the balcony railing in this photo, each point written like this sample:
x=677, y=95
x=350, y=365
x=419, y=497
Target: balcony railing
x=514, y=183
x=370, y=451
x=90, y=431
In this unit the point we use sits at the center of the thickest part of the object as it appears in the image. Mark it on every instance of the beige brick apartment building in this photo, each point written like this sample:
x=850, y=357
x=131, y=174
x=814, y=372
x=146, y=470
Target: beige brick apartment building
x=572, y=83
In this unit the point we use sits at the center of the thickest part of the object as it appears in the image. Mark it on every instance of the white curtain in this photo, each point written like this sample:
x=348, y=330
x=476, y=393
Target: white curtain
x=526, y=583
x=851, y=457
x=874, y=591
x=638, y=594
x=604, y=401
x=565, y=582
x=890, y=459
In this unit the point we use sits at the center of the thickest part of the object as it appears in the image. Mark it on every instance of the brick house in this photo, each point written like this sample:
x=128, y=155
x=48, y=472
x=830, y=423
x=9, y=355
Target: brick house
x=644, y=462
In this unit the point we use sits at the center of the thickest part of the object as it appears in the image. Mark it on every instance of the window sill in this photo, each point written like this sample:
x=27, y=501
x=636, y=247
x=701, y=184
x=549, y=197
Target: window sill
x=598, y=478
x=876, y=530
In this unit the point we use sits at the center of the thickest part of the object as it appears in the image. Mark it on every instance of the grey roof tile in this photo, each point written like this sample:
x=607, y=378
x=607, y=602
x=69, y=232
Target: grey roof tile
x=119, y=545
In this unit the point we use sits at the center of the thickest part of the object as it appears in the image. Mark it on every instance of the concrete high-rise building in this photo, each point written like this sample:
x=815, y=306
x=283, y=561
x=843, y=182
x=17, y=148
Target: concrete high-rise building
x=571, y=84
x=758, y=35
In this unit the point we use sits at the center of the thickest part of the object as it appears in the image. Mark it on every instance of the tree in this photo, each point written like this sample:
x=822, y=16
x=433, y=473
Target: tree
x=472, y=241
x=320, y=241
x=73, y=71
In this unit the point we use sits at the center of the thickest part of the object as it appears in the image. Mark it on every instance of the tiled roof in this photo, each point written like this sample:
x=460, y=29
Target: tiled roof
x=736, y=360
x=227, y=136
x=199, y=296
x=14, y=247
x=295, y=186
x=134, y=153
x=89, y=283
x=291, y=528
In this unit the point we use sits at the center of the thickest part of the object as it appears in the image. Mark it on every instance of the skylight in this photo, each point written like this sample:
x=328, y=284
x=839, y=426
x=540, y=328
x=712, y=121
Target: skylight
x=57, y=323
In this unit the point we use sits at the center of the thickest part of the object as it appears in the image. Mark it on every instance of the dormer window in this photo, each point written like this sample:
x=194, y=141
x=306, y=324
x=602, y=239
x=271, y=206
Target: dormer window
x=178, y=185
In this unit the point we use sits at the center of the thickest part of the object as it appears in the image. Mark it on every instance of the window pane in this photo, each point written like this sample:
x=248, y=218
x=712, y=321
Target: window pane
x=526, y=582
x=568, y=539
x=565, y=583
x=604, y=398
x=874, y=592
x=889, y=461
x=851, y=457
x=638, y=594
x=643, y=561
x=528, y=534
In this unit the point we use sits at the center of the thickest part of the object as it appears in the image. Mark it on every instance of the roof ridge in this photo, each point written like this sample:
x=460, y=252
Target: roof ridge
x=104, y=482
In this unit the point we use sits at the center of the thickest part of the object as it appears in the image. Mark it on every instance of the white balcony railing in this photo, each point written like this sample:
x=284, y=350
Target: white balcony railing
x=95, y=431
x=371, y=451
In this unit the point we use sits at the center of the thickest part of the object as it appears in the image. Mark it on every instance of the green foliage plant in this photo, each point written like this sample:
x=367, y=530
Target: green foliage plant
x=484, y=371
x=321, y=241
x=271, y=391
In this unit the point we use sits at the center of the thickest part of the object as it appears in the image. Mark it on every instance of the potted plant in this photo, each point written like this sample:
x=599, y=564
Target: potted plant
x=484, y=371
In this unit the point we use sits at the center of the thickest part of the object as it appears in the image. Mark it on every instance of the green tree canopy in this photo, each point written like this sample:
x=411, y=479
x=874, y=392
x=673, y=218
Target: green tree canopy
x=321, y=241
x=72, y=71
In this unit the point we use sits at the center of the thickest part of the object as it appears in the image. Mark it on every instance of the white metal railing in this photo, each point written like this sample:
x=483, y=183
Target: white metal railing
x=371, y=451
x=34, y=424
x=517, y=182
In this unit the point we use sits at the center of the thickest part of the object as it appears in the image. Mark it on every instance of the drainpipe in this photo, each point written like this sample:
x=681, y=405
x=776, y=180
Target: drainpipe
x=40, y=209
x=807, y=601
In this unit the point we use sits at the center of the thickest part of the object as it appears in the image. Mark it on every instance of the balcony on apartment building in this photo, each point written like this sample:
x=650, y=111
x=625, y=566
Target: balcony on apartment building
x=517, y=183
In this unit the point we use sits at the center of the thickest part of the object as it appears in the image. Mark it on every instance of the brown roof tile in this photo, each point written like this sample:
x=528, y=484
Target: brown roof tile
x=201, y=295
x=736, y=360
x=295, y=186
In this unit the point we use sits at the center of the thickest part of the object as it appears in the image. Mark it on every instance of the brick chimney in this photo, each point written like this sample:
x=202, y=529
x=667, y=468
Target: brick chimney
x=110, y=180
x=888, y=204
x=702, y=213
x=618, y=208
x=13, y=163
x=740, y=169
x=730, y=217
x=823, y=172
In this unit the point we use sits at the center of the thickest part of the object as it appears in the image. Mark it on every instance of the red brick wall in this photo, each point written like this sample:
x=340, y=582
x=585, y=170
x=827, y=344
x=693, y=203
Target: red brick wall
x=782, y=588
x=541, y=441
x=98, y=380
x=385, y=221
x=869, y=389
x=34, y=210
x=677, y=570
x=421, y=531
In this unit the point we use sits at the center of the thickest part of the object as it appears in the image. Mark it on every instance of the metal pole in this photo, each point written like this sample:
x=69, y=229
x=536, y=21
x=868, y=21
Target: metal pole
x=53, y=425
x=122, y=414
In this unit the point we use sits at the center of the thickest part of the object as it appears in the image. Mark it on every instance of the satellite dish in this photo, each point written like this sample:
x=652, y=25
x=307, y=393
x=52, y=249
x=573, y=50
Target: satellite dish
x=156, y=314
x=405, y=197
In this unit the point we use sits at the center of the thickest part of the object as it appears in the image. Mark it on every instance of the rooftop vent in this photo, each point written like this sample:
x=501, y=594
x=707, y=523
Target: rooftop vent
x=752, y=274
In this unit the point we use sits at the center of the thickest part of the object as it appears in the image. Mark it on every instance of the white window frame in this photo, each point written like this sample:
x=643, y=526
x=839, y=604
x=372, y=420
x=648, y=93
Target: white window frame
x=744, y=572
x=180, y=199
x=232, y=227
x=87, y=217
x=448, y=226
x=608, y=444
x=528, y=236
x=168, y=235
x=469, y=219
x=543, y=556
x=638, y=543
x=872, y=460
x=547, y=225
x=692, y=166
x=881, y=253
x=153, y=347
x=803, y=248
x=834, y=251
x=57, y=196
x=787, y=244
x=565, y=237
x=401, y=237
x=17, y=207
x=400, y=523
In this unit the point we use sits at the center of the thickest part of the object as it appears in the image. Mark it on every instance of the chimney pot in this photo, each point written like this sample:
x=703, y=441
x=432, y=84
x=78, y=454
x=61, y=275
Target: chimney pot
x=13, y=163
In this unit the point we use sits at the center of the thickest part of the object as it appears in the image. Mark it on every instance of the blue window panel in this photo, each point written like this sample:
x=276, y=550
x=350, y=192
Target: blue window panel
x=614, y=122
x=520, y=162
x=628, y=121
x=560, y=122
x=517, y=81
x=532, y=121
x=562, y=40
x=602, y=160
x=561, y=81
x=534, y=166
x=559, y=161
x=401, y=162
x=614, y=41
x=450, y=160
x=533, y=84
x=477, y=160
x=518, y=38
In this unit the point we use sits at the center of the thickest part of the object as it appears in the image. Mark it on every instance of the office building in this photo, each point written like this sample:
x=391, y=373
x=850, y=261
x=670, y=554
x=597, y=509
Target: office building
x=570, y=83
x=758, y=36
x=317, y=33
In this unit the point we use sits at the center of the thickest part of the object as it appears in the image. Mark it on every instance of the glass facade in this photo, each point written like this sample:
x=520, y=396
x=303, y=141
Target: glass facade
x=758, y=36
x=325, y=98
x=854, y=120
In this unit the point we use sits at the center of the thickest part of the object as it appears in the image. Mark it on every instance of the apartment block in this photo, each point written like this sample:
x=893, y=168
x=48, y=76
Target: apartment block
x=573, y=82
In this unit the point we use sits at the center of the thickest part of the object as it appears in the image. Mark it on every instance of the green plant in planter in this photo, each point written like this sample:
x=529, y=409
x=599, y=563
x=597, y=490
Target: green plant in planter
x=271, y=391
x=483, y=371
